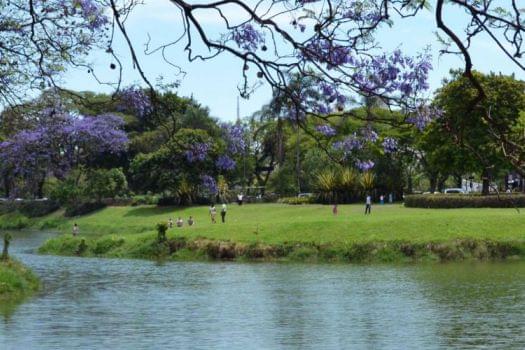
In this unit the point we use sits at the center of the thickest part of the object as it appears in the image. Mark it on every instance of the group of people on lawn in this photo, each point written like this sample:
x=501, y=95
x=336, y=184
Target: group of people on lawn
x=213, y=212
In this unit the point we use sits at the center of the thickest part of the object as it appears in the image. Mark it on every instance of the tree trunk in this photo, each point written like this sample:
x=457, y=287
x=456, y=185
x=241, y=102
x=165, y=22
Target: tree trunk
x=441, y=183
x=485, y=189
x=433, y=182
x=410, y=185
x=459, y=183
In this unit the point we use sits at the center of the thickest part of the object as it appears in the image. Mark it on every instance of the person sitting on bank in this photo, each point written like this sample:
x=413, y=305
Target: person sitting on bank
x=180, y=222
x=170, y=223
x=190, y=221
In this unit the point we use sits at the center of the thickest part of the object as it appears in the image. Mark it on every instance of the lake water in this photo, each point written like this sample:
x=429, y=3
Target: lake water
x=134, y=304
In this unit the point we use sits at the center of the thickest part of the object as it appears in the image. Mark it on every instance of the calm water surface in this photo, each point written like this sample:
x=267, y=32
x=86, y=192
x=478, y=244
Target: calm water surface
x=132, y=304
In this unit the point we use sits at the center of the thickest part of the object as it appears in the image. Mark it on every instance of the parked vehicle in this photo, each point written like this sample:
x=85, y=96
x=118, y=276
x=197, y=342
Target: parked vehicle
x=454, y=190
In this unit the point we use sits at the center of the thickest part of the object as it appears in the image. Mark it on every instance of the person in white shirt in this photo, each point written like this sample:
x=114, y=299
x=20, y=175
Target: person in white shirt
x=213, y=213
x=368, y=205
x=223, y=212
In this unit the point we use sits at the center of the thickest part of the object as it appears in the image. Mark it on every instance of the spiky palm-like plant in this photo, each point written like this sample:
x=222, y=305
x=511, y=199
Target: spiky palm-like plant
x=367, y=180
x=327, y=184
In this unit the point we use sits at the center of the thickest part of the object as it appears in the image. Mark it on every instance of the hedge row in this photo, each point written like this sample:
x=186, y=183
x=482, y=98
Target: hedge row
x=296, y=200
x=29, y=208
x=78, y=209
x=447, y=201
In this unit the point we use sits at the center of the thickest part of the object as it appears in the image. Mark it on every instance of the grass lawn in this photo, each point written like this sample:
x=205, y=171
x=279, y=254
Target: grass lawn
x=304, y=232
x=278, y=223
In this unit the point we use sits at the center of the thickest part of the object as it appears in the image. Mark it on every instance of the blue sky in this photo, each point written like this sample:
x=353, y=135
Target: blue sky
x=214, y=83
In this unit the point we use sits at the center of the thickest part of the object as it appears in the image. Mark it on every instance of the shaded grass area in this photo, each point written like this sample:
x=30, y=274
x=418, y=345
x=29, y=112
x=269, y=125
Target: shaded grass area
x=16, y=281
x=303, y=233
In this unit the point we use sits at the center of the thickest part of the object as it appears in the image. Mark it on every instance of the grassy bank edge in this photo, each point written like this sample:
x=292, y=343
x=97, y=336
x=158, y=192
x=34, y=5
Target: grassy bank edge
x=146, y=246
x=16, y=281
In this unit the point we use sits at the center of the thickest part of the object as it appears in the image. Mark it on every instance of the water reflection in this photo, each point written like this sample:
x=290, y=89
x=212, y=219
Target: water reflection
x=132, y=304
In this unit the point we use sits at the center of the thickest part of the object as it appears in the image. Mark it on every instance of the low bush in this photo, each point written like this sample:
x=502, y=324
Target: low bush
x=35, y=209
x=83, y=208
x=449, y=201
x=29, y=208
x=296, y=200
x=167, y=201
x=13, y=221
x=146, y=199
x=118, y=201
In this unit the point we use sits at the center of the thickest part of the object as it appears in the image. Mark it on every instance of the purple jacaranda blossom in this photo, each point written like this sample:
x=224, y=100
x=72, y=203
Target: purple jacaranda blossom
x=234, y=135
x=41, y=39
x=224, y=162
x=368, y=134
x=349, y=144
x=197, y=152
x=134, y=100
x=247, y=37
x=209, y=185
x=424, y=115
x=390, y=145
x=326, y=130
x=365, y=165
x=59, y=142
x=325, y=51
x=93, y=12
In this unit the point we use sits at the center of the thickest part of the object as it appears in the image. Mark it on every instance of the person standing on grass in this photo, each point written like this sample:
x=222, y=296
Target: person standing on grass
x=368, y=204
x=223, y=213
x=170, y=223
x=213, y=213
x=334, y=209
x=75, y=229
x=382, y=199
x=239, y=198
x=191, y=221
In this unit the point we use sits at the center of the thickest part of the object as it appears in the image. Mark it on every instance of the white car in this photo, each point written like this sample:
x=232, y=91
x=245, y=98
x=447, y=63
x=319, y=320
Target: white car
x=454, y=190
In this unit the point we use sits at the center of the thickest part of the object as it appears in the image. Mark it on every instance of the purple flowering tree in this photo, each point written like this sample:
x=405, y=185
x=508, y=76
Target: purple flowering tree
x=40, y=39
x=59, y=142
x=334, y=41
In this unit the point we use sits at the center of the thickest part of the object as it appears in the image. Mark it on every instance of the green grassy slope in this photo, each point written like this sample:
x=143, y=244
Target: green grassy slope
x=310, y=225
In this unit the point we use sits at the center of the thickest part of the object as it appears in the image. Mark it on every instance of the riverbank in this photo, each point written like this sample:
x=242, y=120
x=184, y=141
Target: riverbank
x=16, y=281
x=298, y=233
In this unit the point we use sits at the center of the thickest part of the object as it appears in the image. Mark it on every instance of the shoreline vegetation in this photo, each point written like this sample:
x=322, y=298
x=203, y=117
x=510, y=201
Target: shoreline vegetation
x=16, y=281
x=279, y=232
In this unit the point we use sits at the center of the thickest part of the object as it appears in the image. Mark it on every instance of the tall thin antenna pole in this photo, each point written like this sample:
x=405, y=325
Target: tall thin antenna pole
x=238, y=111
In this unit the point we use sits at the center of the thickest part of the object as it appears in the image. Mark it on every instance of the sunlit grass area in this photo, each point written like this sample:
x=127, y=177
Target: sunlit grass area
x=277, y=223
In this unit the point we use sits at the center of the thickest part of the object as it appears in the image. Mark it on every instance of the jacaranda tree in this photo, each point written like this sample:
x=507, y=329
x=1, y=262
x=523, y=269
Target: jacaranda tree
x=58, y=143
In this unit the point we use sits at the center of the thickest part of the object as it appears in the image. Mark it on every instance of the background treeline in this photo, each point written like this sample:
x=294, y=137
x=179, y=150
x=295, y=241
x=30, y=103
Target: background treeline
x=177, y=153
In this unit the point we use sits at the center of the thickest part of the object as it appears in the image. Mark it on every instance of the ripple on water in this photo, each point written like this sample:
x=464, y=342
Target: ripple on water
x=134, y=304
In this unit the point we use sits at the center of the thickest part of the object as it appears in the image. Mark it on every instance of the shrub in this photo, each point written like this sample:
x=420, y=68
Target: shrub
x=83, y=208
x=13, y=221
x=104, y=183
x=167, y=201
x=446, y=201
x=146, y=199
x=29, y=208
x=105, y=244
x=162, y=227
x=296, y=200
x=34, y=209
